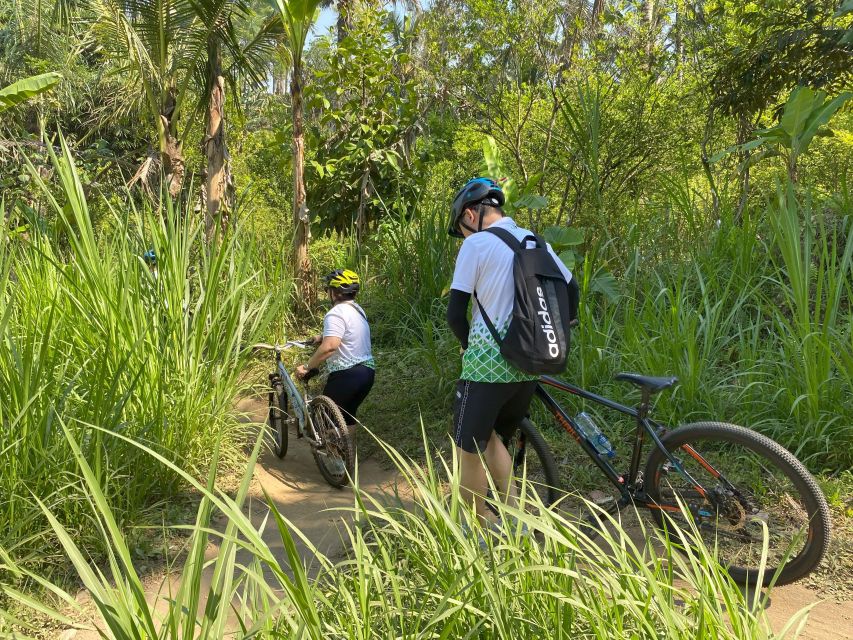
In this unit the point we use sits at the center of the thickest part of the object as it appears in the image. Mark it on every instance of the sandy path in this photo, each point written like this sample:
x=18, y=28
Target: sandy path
x=301, y=494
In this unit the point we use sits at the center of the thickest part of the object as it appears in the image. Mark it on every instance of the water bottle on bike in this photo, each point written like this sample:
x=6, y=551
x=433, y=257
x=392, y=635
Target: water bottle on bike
x=591, y=432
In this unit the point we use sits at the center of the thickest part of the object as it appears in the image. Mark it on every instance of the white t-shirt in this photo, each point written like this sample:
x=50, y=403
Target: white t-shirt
x=484, y=265
x=345, y=321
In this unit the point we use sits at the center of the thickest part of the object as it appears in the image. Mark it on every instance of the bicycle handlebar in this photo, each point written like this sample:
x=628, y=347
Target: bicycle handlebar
x=302, y=344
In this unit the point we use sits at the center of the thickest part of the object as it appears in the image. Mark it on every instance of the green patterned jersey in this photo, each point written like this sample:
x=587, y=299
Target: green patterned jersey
x=483, y=362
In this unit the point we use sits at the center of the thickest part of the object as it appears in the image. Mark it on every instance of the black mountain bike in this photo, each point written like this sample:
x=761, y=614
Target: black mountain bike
x=317, y=419
x=731, y=481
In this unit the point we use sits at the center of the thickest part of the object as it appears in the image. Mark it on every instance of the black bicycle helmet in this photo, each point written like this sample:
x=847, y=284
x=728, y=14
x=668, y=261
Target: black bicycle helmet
x=476, y=191
x=343, y=280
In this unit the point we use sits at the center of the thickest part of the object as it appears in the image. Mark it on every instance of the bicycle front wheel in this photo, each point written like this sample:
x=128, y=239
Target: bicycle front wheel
x=278, y=419
x=335, y=457
x=746, y=483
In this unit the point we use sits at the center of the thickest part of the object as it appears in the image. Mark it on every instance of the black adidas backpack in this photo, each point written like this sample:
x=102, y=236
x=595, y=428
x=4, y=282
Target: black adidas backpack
x=537, y=339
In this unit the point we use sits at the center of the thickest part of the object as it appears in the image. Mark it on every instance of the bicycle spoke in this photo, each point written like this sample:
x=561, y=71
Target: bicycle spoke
x=738, y=504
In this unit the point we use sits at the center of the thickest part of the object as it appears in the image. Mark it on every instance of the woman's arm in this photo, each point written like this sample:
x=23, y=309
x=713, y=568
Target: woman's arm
x=327, y=347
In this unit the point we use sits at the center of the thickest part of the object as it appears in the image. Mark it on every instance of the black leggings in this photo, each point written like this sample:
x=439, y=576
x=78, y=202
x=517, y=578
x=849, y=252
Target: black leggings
x=349, y=388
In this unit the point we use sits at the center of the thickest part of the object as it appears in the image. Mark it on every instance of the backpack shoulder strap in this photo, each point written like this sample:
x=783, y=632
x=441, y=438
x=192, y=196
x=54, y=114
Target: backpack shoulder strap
x=508, y=239
x=488, y=321
x=512, y=242
x=357, y=308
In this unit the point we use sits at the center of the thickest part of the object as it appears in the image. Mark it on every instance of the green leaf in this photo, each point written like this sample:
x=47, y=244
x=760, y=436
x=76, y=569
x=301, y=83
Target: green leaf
x=530, y=201
x=561, y=238
x=492, y=158
x=818, y=118
x=569, y=258
x=23, y=90
x=714, y=159
x=798, y=109
x=392, y=160
x=845, y=8
x=739, y=148
x=320, y=170
x=606, y=284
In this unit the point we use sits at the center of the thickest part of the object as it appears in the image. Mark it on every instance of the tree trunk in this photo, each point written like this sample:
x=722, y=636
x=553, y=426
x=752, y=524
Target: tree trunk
x=344, y=24
x=597, y=10
x=218, y=183
x=172, y=158
x=679, y=42
x=554, y=110
x=361, y=221
x=743, y=134
x=279, y=80
x=171, y=149
x=650, y=26
x=301, y=262
x=706, y=165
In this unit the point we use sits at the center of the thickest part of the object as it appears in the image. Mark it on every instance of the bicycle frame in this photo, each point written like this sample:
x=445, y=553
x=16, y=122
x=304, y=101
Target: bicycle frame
x=296, y=401
x=630, y=488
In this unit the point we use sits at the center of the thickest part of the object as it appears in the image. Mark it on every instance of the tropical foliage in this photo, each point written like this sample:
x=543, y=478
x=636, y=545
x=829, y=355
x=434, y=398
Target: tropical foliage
x=690, y=161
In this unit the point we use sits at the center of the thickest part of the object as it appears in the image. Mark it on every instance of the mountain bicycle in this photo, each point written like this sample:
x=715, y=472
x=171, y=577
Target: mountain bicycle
x=317, y=419
x=731, y=482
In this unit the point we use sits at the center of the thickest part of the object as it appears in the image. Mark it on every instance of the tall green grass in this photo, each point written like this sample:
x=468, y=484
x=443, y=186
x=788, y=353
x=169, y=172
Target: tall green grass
x=89, y=337
x=410, y=571
x=753, y=317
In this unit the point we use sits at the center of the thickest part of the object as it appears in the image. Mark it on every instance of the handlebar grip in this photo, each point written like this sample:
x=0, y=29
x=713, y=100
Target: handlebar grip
x=312, y=373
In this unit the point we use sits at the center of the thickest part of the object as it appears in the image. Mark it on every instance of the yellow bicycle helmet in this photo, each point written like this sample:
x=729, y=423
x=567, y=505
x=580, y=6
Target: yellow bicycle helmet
x=343, y=280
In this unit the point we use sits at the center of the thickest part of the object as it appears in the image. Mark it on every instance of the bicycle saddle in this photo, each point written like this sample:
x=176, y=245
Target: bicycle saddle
x=652, y=383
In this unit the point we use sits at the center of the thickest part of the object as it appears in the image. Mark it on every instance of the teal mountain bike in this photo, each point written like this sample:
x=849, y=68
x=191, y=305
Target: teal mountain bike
x=315, y=418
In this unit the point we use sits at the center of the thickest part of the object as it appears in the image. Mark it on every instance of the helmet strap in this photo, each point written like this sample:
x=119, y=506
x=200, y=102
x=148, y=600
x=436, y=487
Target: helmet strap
x=479, y=212
x=462, y=224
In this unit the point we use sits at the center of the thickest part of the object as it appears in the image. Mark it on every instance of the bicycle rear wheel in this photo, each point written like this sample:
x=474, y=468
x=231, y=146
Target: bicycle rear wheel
x=336, y=456
x=749, y=481
x=278, y=419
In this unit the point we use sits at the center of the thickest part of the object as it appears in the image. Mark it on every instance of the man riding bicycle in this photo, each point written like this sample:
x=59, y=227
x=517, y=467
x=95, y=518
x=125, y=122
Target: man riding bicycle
x=492, y=395
x=344, y=346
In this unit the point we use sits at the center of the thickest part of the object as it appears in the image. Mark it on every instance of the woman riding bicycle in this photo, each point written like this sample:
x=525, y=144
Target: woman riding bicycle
x=344, y=347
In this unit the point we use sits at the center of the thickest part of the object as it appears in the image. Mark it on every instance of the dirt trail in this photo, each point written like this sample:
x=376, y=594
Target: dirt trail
x=301, y=494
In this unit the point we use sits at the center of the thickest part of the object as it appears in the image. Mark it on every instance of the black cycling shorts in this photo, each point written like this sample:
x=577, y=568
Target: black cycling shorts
x=483, y=407
x=349, y=388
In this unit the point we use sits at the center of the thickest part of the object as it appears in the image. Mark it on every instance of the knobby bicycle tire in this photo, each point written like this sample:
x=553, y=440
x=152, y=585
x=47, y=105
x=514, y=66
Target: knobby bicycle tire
x=278, y=419
x=792, y=497
x=337, y=442
x=540, y=471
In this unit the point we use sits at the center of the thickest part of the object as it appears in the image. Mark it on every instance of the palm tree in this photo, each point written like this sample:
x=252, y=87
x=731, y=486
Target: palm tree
x=297, y=17
x=152, y=44
x=163, y=49
x=249, y=61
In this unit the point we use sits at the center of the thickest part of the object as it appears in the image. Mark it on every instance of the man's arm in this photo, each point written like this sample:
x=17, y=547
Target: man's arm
x=457, y=315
